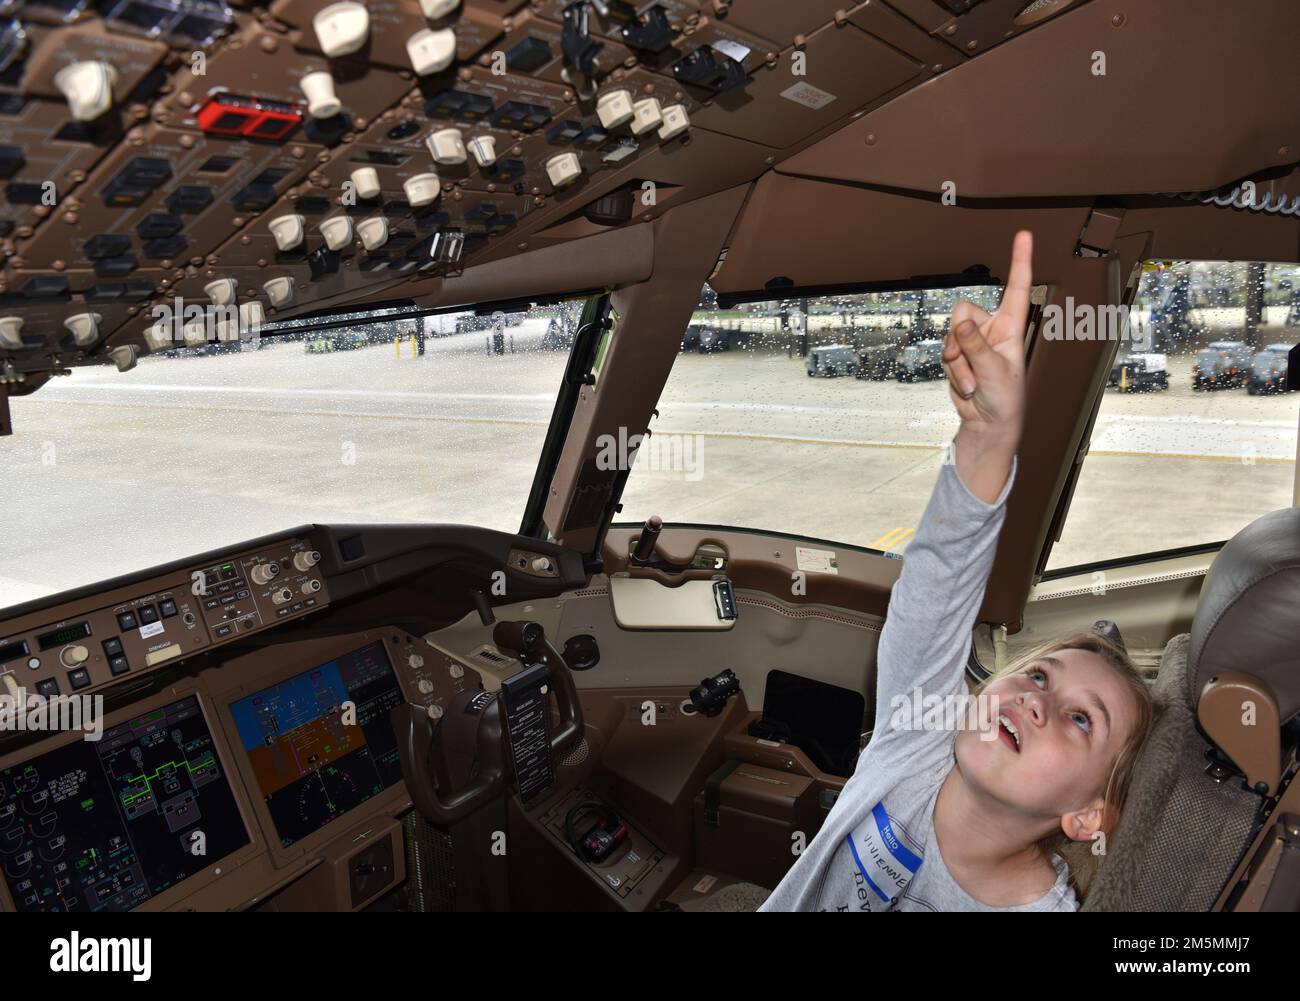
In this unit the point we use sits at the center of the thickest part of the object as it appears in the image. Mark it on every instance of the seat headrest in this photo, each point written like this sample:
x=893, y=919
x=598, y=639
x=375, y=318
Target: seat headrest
x=1248, y=615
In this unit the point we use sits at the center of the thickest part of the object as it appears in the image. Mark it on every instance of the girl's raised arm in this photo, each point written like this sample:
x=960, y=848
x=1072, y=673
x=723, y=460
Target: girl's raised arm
x=933, y=604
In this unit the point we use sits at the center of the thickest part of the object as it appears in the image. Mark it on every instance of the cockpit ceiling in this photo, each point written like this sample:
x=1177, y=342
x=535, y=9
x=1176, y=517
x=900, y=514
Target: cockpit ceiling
x=219, y=155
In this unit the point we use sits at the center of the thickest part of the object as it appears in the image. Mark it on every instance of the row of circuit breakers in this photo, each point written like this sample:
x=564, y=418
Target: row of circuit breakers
x=626, y=117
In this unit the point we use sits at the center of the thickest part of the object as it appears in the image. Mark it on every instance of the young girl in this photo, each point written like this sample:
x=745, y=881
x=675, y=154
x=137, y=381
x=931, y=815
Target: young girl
x=937, y=821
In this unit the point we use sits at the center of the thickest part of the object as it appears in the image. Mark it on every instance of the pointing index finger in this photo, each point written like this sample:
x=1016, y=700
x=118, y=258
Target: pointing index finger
x=1015, y=300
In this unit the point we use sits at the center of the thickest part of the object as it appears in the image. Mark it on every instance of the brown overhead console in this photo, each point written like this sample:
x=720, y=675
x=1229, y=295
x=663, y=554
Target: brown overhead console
x=171, y=185
x=1035, y=117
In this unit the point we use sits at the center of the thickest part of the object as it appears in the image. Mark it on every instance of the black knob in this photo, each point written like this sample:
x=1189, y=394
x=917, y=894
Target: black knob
x=645, y=545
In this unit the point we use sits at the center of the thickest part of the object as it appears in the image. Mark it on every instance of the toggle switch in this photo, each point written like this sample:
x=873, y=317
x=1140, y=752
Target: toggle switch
x=614, y=108
x=434, y=9
x=287, y=230
x=123, y=357
x=342, y=28
x=88, y=88
x=366, y=181
x=221, y=291
x=484, y=149
x=422, y=189
x=373, y=232
x=279, y=291
x=337, y=231
x=84, y=328
x=563, y=168
x=676, y=121
x=11, y=332
x=646, y=116
x=431, y=51
x=322, y=102
x=447, y=146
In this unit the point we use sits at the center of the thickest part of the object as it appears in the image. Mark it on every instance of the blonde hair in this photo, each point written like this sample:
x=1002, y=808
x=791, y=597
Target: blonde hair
x=1079, y=854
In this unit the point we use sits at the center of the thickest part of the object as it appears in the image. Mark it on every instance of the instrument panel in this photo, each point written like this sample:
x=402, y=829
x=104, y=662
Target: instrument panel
x=101, y=640
x=216, y=790
x=106, y=825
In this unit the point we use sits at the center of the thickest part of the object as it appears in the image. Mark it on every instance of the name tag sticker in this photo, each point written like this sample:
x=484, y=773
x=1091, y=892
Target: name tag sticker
x=885, y=862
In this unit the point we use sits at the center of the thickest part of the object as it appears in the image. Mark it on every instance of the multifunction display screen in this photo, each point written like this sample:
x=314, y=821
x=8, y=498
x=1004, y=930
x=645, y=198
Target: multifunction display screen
x=104, y=825
x=321, y=742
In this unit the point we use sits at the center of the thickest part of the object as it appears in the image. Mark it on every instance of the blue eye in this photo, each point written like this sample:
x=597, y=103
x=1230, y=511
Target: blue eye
x=1086, y=724
x=1033, y=671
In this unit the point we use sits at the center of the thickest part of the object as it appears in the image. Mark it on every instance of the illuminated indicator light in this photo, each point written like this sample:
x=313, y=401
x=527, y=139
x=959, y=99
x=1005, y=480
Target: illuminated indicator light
x=232, y=115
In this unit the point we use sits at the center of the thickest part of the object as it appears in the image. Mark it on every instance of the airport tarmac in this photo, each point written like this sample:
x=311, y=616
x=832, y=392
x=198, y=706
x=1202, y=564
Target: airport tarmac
x=108, y=473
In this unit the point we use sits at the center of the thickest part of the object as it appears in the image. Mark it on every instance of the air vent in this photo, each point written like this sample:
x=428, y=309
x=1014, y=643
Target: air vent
x=490, y=656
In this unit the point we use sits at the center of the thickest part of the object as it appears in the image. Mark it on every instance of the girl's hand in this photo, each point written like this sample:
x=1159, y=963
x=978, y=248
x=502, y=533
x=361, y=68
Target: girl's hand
x=984, y=356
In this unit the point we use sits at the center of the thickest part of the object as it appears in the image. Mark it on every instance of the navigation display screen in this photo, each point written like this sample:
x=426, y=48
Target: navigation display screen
x=321, y=743
x=105, y=825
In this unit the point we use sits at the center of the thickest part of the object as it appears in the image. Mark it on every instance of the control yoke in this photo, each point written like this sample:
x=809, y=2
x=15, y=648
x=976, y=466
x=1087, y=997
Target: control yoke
x=528, y=642
x=472, y=727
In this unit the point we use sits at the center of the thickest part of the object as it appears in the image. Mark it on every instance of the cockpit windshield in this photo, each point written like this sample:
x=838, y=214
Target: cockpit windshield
x=431, y=419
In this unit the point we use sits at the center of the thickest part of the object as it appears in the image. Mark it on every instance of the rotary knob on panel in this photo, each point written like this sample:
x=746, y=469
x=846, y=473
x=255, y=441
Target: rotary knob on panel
x=431, y=51
x=422, y=189
x=337, y=231
x=264, y=573
x=88, y=88
x=614, y=108
x=279, y=291
x=318, y=88
x=484, y=149
x=447, y=147
x=84, y=328
x=373, y=232
x=221, y=291
x=366, y=181
x=342, y=28
x=288, y=230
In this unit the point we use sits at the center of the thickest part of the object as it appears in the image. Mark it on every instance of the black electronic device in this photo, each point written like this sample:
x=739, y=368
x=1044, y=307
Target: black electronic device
x=105, y=825
x=824, y=721
x=710, y=696
x=320, y=743
x=599, y=841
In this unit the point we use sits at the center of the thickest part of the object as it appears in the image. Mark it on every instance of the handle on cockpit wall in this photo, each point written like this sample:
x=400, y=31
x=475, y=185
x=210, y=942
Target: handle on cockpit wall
x=415, y=732
x=528, y=641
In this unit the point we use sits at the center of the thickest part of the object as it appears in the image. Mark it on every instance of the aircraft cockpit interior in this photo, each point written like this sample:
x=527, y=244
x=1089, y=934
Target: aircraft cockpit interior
x=468, y=455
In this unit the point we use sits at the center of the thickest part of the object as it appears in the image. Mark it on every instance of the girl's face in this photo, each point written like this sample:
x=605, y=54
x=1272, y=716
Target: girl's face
x=1050, y=735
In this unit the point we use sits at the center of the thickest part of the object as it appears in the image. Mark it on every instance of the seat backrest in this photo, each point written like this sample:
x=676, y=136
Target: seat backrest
x=1190, y=814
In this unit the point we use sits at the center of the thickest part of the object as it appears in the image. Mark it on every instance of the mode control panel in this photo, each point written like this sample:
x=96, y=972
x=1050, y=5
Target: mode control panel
x=82, y=651
x=261, y=589
x=100, y=639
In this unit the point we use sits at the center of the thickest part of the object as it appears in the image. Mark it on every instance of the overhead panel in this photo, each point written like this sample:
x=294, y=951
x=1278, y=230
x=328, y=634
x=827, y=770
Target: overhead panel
x=842, y=69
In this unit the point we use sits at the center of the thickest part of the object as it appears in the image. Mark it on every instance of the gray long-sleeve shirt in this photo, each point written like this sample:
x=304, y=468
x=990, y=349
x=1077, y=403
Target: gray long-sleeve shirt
x=876, y=850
